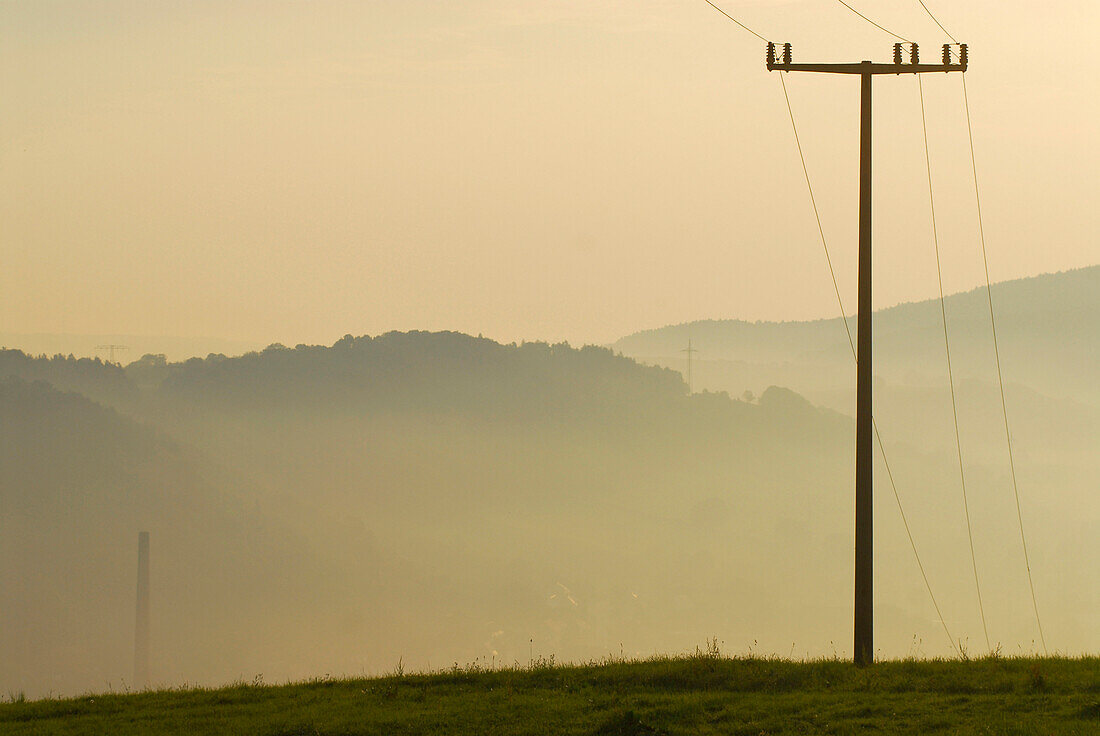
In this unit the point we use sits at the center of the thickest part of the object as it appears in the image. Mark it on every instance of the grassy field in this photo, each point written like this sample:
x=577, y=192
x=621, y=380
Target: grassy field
x=701, y=694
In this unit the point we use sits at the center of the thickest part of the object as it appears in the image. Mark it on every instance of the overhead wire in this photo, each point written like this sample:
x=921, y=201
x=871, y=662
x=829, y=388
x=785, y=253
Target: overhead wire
x=954, y=407
x=817, y=216
x=993, y=326
x=950, y=372
x=852, y=345
x=993, y=330
x=937, y=21
x=1000, y=376
x=876, y=25
x=745, y=27
x=943, y=311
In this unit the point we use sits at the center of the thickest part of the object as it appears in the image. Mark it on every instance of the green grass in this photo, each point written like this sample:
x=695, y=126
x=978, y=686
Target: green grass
x=701, y=694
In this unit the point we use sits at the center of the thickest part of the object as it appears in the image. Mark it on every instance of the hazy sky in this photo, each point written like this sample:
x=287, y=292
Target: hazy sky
x=574, y=169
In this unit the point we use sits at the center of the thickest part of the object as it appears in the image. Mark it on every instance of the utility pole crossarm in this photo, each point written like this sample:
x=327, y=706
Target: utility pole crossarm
x=863, y=69
x=952, y=61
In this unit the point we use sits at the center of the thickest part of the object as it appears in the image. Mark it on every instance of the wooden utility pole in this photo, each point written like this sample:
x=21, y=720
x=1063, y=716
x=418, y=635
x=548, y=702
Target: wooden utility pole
x=864, y=651
x=141, y=621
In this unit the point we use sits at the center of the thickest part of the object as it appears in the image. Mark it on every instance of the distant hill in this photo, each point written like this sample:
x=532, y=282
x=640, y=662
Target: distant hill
x=91, y=377
x=1048, y=328
x=434, y=372
x=452, y=374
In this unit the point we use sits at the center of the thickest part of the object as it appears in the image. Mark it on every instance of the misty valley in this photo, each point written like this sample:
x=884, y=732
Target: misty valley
x=418, y=500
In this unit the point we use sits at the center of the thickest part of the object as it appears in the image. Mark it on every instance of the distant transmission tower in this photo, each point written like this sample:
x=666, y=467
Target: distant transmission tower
x=111, y=350
x=690, y=351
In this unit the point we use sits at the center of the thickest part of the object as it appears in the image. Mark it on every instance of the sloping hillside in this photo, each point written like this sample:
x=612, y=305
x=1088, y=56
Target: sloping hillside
x=79, y=482
x=700, y=694
x=1049, y=330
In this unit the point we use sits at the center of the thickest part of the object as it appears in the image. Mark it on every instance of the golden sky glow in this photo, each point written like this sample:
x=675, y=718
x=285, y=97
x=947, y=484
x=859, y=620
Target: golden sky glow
x=294, y=171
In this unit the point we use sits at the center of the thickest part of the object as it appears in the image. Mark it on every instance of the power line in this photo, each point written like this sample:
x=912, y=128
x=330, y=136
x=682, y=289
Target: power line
x=913, y=544
x=1000, y=377
x=708, y=2
x=876, y=25
x=936, y=21
x=992, y=324
x=817, y=216
x=947, y=349
x=852, y=345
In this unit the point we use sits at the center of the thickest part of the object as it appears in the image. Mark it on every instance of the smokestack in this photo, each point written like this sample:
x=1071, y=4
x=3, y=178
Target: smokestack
x=141, y=626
